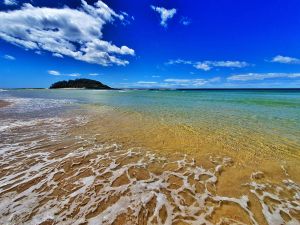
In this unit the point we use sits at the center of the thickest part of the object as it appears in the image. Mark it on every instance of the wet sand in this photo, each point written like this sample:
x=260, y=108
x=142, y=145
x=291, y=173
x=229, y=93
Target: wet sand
x=107, y=166
x=4, y=103
x=253, y=159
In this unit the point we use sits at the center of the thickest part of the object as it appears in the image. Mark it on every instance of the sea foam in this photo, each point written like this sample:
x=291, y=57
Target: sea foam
x=50, y=175
x=97, y=183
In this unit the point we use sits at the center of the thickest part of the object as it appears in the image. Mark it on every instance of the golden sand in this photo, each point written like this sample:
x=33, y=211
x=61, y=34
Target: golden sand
x=249, y=155
x=124, y=167
x=249, y=150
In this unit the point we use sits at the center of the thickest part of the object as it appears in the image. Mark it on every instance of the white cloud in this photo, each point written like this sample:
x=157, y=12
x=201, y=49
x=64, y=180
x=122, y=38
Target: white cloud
x=202, y=66
x=262, y=76
x=165, y=14
x=193, y=83
x=173, y=83
x=57, y=73
x=9, y=57
x=76, y=33
x=185, y=21
x=179, y=61
x=208, y=65
x=285, y=59
x=10, y=2
x=215, y=79
x=73, y=75
x=179, y=81
x=93, y=74
x=54, y=72
x=58, y=55
x=147, y=82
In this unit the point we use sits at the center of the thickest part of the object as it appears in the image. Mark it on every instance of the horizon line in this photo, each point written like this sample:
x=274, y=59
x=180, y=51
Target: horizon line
x=183, y=89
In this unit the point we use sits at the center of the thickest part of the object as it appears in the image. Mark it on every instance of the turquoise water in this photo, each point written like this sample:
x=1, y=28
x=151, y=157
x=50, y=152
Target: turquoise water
x=274, y=112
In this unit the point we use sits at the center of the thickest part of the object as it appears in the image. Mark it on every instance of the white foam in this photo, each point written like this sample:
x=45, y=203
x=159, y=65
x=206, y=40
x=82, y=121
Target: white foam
x=26, y=105
x=281, y=203
x=90, y=172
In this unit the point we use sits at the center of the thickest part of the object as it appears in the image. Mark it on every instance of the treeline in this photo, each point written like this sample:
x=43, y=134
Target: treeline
x=80, y=83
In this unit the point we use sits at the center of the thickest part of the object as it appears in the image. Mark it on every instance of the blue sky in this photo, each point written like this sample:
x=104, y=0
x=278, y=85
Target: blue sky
x=166, y=44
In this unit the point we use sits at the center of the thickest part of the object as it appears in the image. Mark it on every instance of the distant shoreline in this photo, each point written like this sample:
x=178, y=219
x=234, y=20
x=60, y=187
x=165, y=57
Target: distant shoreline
x=167, y=89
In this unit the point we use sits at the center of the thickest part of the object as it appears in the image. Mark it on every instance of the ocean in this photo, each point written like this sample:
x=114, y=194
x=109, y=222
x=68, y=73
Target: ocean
x=150, y=156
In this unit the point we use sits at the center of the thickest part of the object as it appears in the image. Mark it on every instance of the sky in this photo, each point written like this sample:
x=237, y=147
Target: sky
x=151, y=43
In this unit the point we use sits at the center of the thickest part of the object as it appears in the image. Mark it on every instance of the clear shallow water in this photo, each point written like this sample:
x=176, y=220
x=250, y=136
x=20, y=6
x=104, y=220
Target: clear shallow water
x=51, y=175
x=281, y=103
x=274, y=112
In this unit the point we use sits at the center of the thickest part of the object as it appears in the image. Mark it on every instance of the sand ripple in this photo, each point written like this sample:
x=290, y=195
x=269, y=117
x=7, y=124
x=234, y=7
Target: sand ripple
x=52, y=177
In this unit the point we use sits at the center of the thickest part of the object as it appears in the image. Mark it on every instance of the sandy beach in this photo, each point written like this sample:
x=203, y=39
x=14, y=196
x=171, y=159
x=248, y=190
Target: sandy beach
x=149, y=112
x=4, y=103
x=68, y=163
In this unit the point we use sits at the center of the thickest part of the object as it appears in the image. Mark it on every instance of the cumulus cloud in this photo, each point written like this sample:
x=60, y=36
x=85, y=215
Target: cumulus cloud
x=57, y=73
x=285, y=59
x=76, y=33
x=165, y=14
x=9, y=57
x=10, y=2
x=262, y=76
x=208, y=65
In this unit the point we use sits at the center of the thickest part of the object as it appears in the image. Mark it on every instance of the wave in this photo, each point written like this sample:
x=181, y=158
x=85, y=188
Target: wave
x=26, y=105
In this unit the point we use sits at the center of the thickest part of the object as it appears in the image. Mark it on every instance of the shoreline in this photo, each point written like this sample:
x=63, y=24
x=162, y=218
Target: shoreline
x=240, y=169
x=166, y=89
x=98, y=157
x=4, y=103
